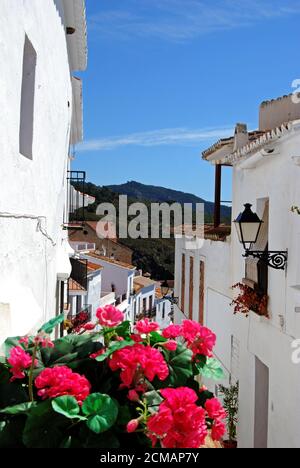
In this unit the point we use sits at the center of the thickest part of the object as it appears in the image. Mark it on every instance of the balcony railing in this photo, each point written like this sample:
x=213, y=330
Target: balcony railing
x=79, y=271
x=76, y=199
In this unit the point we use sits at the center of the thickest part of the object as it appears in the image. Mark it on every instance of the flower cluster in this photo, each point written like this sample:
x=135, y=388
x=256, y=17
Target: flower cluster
x=79, y=321
x=137, y=362
x=179, y=423
x=59, y=381
x=19, y=361
x=109, y=316
x=199, y=339
x=216, y=412
x=249, y=300
x=156, y=369
x=144, y=327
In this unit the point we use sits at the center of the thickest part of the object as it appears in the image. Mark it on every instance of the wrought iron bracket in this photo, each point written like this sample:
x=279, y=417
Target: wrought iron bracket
x=274, y=259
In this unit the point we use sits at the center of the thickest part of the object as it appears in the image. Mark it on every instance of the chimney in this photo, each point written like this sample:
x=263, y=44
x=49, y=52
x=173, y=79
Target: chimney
x=241, y=136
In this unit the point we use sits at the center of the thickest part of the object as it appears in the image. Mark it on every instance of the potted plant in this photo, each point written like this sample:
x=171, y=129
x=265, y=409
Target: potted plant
x=249, y=300
x=231, y=405
x=110, y=384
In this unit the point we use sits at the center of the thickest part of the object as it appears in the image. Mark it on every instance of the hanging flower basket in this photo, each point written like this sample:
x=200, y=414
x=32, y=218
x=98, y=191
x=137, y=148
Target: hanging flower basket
x=250, y=300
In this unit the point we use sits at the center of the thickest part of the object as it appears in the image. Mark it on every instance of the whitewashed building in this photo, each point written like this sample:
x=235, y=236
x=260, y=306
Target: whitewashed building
x=256, y=350
x=41, y=44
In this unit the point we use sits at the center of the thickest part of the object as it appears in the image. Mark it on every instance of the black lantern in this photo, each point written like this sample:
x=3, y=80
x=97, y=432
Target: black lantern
x=248, y=226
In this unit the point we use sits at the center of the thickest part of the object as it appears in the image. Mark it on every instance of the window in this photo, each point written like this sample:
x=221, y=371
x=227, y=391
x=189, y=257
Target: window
x=144, y=305
x=27, y=100
x=164, y=311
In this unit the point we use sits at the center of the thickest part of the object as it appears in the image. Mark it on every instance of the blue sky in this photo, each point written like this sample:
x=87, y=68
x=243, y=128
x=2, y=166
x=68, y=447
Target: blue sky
x=167, y=78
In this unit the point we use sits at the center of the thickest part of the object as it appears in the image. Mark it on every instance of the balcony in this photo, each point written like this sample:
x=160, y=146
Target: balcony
x=76, y=321
x=79, y=272
x=77, y=200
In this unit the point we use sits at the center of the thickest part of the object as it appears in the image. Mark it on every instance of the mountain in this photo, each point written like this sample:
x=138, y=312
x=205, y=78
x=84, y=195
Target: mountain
x=156, y=256
x=160, y=195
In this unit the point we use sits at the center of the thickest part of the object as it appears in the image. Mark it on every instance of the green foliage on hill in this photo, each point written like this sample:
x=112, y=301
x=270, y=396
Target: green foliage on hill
x=155, y=256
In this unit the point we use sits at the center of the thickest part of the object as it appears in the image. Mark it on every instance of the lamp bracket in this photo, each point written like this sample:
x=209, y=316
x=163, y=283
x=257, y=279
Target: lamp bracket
x=274, y=259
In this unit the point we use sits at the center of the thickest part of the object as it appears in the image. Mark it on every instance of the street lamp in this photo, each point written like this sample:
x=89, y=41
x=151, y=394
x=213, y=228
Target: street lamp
x=248, y=226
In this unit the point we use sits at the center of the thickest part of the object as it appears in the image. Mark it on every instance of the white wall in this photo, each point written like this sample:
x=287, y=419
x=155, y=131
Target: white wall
x=276, y=178
x=163, y=310
x=32, y=187
x=94, y=292
x=217, y=293
x=113, y=274
x=241, y=340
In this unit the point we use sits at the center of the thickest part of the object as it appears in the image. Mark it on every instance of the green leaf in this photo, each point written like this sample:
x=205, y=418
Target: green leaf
x=180, y=366
x=67, y=406
x=124, y=330
x=101, y=411
x=11, y=343
x=157, y=338
x=154, y=399
x=52, y=324
x=213, y=370
x=113, y=348
x=18, y=409
x=44, y=428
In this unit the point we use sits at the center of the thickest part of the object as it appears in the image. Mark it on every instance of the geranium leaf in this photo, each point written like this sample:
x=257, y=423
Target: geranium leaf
x=124, y=330
x=52, y=324
x=67, y=406
x=11, y=343
x=212, y=370
x=180, y=366
x=157, y=338
x=18, y=409
x=44, y=428
x=101, y=411
x=113, y=348
x=154, y=399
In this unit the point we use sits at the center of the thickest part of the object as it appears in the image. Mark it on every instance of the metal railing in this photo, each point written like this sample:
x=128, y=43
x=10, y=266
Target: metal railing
x=79, y=271
x=76, y=199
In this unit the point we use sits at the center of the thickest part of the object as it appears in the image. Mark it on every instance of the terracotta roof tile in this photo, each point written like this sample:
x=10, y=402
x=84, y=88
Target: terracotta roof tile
x=111, y=260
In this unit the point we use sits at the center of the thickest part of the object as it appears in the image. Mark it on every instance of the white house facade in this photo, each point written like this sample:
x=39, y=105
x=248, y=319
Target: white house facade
x=41, y=44
x=256, y=351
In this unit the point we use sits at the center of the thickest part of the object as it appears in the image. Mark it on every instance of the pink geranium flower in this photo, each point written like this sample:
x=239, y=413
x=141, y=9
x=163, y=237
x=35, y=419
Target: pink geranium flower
x=19, y=361
x=61, y=380
x=179, y=423
x=200, y=340
x=145, y=327
x=109, y=316
x=139, y=361
x=214, y=409
x=218, y=430
x=170, y=345
x=172, y=331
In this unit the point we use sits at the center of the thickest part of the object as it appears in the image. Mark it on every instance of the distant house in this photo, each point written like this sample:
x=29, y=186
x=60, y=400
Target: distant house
x=88, y=239
x=117, y=278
